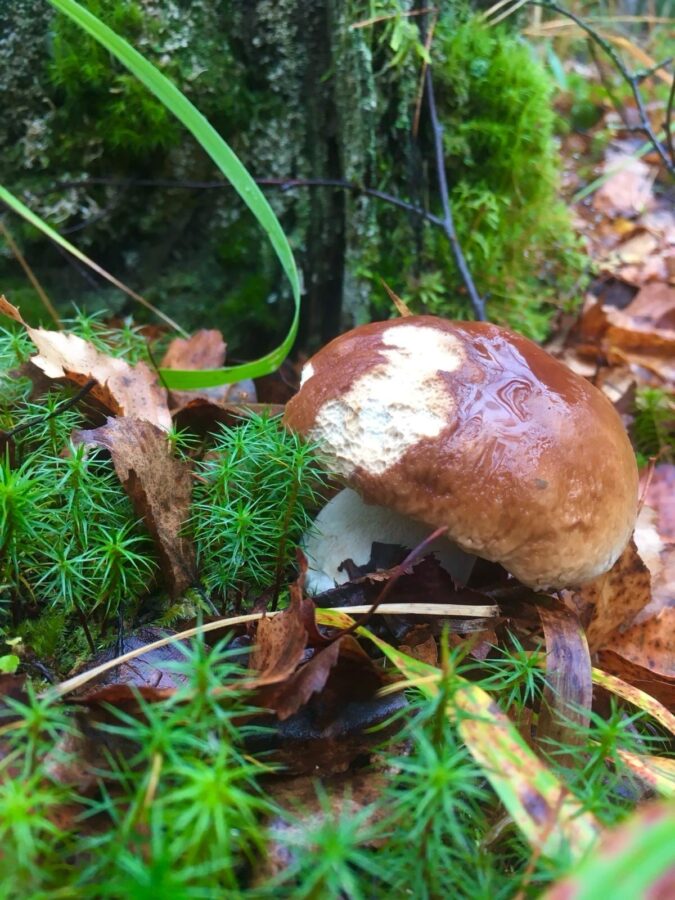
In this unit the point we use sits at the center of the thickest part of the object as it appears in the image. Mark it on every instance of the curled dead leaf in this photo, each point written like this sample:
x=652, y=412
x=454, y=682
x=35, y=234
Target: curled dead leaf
x=123, y=389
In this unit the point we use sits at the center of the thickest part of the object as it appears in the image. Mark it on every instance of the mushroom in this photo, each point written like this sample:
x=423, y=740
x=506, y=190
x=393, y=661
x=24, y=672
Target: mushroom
x=346, y=528
x=473, y=427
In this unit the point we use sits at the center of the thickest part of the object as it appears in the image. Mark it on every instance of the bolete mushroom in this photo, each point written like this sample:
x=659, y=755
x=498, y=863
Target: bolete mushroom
x=473, y=427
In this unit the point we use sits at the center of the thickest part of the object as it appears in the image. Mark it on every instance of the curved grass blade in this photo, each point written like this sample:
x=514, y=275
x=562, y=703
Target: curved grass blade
x=231, y=167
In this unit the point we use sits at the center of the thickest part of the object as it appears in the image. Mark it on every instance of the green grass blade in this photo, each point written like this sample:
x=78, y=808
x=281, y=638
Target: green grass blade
x=231, y=167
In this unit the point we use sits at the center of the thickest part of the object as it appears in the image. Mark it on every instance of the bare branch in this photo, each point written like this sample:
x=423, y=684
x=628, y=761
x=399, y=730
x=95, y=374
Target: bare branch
x=632, y=79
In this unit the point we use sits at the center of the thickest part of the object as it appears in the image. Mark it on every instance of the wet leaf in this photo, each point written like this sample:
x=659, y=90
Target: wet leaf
x=649, y=691
x=160, y=488
x=148, y=671
x=205, y=349
x=279, y=646
x=648, y=641
x=657, y=772
x=123, y=389
x=568, y=695
x=307, y=808
x=612, y=601
x=629, y=190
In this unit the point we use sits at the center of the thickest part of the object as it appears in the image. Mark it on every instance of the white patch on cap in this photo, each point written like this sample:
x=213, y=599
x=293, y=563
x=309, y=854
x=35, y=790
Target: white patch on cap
x=307, y=372
x=394, y=406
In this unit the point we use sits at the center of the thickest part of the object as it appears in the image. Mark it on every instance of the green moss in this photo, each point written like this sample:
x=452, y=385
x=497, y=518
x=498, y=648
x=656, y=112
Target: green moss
x=494, y=100
x=297, y=92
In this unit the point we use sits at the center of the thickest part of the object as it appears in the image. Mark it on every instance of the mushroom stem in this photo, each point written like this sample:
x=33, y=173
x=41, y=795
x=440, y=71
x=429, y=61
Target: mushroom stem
x=346, y=529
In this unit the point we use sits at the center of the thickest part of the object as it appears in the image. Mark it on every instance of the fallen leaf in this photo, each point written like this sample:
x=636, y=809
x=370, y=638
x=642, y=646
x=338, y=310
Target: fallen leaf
x=548, y=815
x=637, y=248
x=650, y=642
x=660, y=496
x=661, y=687
x=657, y=773
x=279, y=646
x=568, y=694
x=629, y=189
x=612, y=601
x=146, y=671
x=311, y=742
x=421, y=645
x=653, y=307
x=205, y=349
x=308, y=809
x=160, y=488
x=340, y=673
x=123, y=389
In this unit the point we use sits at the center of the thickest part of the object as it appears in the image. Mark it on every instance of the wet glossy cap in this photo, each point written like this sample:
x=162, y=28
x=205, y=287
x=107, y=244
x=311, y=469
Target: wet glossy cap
x=471, y=426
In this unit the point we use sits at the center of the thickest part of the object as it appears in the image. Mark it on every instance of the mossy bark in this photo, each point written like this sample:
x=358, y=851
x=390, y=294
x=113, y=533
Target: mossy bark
x=300, y=94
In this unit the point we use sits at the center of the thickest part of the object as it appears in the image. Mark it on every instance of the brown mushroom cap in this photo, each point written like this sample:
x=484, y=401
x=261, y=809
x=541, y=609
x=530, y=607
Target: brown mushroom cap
x=474, y=427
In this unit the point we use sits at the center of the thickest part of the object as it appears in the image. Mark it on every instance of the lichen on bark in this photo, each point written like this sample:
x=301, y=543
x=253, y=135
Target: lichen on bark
x=300, y=93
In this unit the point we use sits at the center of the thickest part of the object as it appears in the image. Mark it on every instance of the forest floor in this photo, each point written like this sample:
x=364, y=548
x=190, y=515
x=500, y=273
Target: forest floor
x=538, y=694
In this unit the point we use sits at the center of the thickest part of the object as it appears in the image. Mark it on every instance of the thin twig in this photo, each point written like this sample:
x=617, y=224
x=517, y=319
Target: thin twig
x=432, y=609
x=365, y=23
x=284, y=184
x=446, y=223
x=476, y=300
x=423, y=74
x=397, y=572
x=667, y=125
x=632, y=79
x=32, y=277
x=652, y=70
x=61, y=408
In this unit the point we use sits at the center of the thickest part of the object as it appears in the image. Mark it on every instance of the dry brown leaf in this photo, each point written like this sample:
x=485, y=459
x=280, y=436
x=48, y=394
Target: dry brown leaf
x=123, y=389
x=660, y=496
x=280, y=644
x=640, y=336
x=653, y=308
x=649, y=640
x=205, y=349
x=612, y=601
x=649, y=368
x=637, y=248
x=349, y=793
x=656, y=684
x=160, y=488
x=421, y=645
x=628, y=192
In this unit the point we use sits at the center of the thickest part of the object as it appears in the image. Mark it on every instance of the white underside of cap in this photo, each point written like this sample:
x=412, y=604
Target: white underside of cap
x=395, y=405
x=346, y=528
